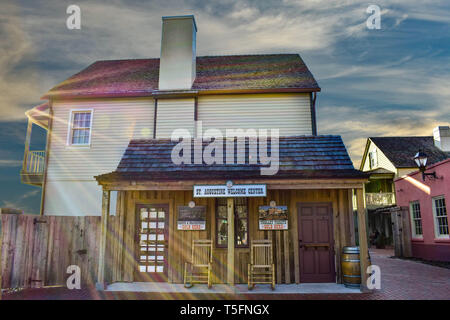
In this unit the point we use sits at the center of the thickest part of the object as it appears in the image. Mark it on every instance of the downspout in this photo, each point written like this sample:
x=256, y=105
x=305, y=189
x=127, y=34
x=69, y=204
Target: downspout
x=154, y=118
x=312, y=97
x=195, y=116
x=47, y=148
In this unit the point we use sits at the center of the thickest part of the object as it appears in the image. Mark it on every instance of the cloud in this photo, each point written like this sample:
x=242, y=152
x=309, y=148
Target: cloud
x=388, y=81
x=18, y=81
x=355, y=128
x=10, y=163
x=19, y=203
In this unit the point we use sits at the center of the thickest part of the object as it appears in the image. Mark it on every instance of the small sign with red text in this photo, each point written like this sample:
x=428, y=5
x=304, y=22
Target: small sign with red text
x=273, y=218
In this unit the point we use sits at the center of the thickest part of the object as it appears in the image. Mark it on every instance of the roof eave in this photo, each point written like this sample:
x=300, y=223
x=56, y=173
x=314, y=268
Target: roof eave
x=176, y=93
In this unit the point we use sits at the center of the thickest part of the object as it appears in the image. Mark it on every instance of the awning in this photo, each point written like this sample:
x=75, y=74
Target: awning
x=300, y=157
x=39, y=115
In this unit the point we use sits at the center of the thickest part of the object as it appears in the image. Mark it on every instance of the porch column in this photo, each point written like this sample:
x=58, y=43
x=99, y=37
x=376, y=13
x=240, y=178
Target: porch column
x=27, y=146
x=230, y=252
x=362, y=232
x=101, y=283
x=1, y=246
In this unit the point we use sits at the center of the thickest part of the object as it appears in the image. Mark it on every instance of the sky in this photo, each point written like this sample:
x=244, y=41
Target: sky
x=388, y=82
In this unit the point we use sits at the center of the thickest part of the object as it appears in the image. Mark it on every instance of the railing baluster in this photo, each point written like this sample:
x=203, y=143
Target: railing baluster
x=35, y=162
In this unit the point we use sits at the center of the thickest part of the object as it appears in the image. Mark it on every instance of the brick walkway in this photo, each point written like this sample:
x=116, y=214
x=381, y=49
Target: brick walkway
x=400, y=279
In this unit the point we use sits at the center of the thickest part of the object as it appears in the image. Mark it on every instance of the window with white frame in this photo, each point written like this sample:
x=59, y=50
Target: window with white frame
x=80, y=127
x=440, y=217
x=373, y=160
x=416, y=219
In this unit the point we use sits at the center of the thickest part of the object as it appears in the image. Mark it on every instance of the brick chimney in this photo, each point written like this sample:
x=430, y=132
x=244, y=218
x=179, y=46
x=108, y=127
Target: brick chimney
x=177, y=66
x=441, y=136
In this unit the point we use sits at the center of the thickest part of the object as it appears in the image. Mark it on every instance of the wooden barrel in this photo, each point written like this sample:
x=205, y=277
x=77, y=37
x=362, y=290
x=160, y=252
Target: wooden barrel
x=351, y=270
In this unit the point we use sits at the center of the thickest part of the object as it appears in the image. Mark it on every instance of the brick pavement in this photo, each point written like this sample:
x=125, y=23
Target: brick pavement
x=400, y=279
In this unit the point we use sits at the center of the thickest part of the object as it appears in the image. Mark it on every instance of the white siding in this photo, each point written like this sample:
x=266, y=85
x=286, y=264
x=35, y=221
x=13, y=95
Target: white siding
x=382, y=160
x=114, y=124
x=73, y=198
x=289, y=112
x=174, y=114
x=71, y=188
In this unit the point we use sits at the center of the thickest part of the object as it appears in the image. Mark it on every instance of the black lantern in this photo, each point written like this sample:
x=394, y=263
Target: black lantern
x=421, y=161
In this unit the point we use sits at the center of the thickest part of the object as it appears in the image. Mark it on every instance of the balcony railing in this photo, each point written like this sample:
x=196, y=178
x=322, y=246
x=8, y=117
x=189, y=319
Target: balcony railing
x=380, y=199
x=35, y=162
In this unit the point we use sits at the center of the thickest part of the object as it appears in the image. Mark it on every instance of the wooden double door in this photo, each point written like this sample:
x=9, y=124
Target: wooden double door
x=315, y=242
x=152, y=243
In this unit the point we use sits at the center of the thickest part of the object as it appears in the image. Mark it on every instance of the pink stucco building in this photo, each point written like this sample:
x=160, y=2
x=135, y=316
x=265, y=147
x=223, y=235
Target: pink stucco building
x=427, y=202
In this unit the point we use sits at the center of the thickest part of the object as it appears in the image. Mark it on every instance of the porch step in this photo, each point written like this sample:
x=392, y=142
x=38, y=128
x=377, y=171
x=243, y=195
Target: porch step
x=162, y=287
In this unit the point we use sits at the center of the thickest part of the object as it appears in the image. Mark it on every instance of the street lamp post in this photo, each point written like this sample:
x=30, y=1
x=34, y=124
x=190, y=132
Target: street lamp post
x=421, y=161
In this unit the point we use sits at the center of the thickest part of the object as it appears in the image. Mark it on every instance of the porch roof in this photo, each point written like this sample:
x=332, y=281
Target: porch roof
x=300, y=157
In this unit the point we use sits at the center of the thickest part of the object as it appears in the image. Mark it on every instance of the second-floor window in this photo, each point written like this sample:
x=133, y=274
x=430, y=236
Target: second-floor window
x=80, y=128
x=373, y=160
x=440, y=217
x=416, y=219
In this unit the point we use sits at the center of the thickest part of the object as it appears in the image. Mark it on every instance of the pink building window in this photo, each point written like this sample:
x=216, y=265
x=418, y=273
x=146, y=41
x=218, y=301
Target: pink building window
x=440, y=216
x=416, y=219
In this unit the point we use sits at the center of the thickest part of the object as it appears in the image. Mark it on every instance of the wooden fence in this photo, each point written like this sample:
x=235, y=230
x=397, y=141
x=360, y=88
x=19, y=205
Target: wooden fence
x=37, y=250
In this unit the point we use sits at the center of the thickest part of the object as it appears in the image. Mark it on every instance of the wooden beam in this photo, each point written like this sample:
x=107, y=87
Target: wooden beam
x=337, y=234
x=47, y=148
x=101, y=283
x=27, y=146
x=230, y=252
x=271, y=184
x=294, y=213
x=351, y=217
x=343, y=219
x=363, y=247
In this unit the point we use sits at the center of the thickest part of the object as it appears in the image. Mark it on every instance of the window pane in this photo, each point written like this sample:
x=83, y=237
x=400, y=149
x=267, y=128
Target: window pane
x=441, y=216
x=222, y=232
x=241, y=222
x=242, y=232
x=416, y=218
x=81, y=127
x=222, y=211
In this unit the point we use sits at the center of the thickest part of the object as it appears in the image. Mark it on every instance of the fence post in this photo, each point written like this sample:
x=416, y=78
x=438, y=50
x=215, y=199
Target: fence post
x=101, y=279
x=1, y=249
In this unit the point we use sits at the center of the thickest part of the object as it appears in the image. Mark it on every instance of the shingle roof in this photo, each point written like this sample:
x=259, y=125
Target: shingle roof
x=401, y=150
x=139, y=77
x=300, y=157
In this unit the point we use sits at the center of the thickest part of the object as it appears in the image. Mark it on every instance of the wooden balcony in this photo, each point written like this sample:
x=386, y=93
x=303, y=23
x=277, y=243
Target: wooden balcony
x=33, y=168
x=380, y=199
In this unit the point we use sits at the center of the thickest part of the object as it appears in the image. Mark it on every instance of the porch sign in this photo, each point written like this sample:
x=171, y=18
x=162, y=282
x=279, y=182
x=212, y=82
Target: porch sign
x=222, y=191
x=273, y=218
x=191, y=218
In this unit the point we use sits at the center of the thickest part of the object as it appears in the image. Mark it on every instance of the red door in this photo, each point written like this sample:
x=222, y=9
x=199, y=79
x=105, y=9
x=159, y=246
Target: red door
x=152, y=242
x=315, y=242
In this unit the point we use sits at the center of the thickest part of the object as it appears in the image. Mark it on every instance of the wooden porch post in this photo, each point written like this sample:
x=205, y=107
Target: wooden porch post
x=1, y=246
x=101, y=283
x=27, y=146
x=362, y=231
x=351, y=217
x=230, y=252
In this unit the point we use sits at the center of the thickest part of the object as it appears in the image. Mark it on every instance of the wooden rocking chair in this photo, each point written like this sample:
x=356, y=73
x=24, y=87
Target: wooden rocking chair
x=261, y=268
x=199, y=270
